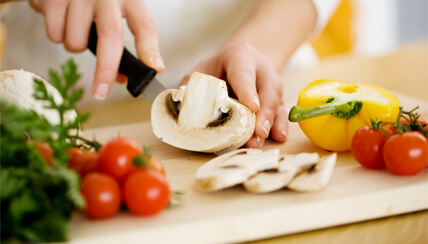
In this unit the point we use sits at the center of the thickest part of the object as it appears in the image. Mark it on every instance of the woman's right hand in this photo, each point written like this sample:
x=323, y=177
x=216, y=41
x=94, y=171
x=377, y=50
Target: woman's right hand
x=69, y=22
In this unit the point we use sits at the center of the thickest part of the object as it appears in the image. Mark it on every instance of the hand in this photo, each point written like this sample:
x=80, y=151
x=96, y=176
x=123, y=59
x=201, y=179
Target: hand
x=253, y=79
x=69, y=22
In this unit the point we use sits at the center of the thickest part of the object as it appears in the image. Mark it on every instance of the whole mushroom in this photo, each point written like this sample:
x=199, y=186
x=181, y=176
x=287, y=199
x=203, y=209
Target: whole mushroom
x=17, y=87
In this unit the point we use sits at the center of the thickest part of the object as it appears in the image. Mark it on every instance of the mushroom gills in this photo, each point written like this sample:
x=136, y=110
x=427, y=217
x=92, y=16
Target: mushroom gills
x=173, y=107
x=234, y=168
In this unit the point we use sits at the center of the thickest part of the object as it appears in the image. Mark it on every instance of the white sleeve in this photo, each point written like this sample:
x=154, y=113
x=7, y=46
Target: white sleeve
x=325, y=9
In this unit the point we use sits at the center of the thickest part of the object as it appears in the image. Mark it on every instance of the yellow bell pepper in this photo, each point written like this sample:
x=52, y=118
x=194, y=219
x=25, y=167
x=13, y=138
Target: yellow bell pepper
x=329, y=112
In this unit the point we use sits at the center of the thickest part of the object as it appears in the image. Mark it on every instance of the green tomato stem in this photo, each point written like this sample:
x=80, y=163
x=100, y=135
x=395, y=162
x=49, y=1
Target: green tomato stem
x=334, y=106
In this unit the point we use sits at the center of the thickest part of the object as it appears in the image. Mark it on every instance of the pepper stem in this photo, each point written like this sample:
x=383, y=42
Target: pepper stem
x=334, y=106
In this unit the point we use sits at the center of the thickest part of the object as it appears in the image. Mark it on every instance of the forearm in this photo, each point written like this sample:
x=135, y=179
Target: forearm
x=277, y=28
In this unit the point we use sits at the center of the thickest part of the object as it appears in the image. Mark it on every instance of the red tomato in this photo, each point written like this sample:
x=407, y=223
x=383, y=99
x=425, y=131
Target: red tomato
x=82, y=161
x=116, y=157
x=406, y=153
x=102, y=195
x=146, y=192
x=367, y=147
x=46, y=151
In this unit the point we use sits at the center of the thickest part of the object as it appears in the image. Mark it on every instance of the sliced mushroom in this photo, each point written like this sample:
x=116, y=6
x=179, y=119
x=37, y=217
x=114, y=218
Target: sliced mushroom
x=269, y=181
x=201, y=116
x=17, y=87
x=272, y=180
x=233, y=168
x=301, y=161
x=316, y=177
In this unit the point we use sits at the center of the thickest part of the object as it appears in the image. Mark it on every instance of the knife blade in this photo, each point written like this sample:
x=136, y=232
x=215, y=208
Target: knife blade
x=141, y=79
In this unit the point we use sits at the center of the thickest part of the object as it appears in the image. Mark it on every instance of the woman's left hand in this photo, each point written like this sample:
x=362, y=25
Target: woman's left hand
x=256, y=84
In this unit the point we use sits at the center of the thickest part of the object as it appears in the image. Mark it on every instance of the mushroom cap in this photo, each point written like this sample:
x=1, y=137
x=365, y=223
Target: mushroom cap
x=17, y=87
x=199, y=105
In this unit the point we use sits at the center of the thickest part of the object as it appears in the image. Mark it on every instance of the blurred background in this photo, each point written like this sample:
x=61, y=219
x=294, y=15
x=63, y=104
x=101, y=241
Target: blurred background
x=373, y=28
x=358, y=28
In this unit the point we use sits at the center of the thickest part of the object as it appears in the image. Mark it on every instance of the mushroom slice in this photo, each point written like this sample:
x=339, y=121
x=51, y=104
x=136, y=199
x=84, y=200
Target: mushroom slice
x=275, y=179
x=270, y=180
x=302, y=161
x=233, y=168
x=201, y=116
x=316, y=177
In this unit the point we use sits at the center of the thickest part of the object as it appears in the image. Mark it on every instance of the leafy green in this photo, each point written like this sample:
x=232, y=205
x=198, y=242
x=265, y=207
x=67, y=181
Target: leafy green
x=37, y=199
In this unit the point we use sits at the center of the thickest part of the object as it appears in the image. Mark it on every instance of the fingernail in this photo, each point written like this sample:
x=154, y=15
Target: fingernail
x=101, y=91
x=266, y=127
x=257, y=102
x=284, y=132
x=157, y=62
x=255, y=142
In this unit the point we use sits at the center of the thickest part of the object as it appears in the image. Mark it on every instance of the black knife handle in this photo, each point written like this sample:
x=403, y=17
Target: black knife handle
x=139, y=75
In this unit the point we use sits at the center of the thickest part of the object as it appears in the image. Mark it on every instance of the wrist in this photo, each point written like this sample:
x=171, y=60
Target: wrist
x=277, y=28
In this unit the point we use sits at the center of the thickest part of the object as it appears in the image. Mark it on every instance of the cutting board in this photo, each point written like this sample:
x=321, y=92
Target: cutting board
x=234, y=215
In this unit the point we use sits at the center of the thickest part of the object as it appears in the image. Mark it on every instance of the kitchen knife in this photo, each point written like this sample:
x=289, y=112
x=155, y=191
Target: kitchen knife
x=141, y=79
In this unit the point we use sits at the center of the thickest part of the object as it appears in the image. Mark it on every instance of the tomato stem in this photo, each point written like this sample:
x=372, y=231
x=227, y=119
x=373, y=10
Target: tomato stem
x=412, y=119
x=93, y=144
x=333, y=106
x=376, y=124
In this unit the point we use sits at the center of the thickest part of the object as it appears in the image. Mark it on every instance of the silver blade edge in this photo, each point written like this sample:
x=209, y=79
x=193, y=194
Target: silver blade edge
x=152, y=90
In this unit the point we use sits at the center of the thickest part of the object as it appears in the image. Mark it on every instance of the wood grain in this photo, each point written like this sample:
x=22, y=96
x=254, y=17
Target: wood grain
x=408, y=228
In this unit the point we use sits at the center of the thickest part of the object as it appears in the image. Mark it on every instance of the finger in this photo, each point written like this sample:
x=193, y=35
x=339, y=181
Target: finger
x=270, y=92
x=79, y=20
x=255, y=142
x=109, y=47
x=209, y=66
x=144, y=28
x=279, y=129
x=55, y=13
x=185, y=79
x=241, y=75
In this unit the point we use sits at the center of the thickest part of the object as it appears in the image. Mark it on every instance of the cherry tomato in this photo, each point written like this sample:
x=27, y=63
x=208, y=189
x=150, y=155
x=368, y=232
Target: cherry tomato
x=102, y=195
x=116, y=157
x=367, y=147
x=156, y=165
x=406, y=153
x=402, y=120
x=82, y=161
x=146, y=192
x=46, y=151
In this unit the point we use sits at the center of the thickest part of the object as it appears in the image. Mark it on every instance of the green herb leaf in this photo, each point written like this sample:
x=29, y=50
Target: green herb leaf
x=37, y=199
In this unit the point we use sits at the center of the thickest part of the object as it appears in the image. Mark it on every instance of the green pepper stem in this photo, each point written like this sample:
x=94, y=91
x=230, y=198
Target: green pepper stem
x=333, y=106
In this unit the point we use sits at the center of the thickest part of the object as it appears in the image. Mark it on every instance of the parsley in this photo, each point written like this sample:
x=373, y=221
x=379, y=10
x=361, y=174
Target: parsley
x=37, y=199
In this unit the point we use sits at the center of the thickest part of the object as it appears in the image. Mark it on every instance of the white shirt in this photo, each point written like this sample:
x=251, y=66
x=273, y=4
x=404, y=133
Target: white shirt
x=189, y=31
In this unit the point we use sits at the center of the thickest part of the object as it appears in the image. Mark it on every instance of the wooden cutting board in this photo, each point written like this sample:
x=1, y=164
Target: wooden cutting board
x=354, y=194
